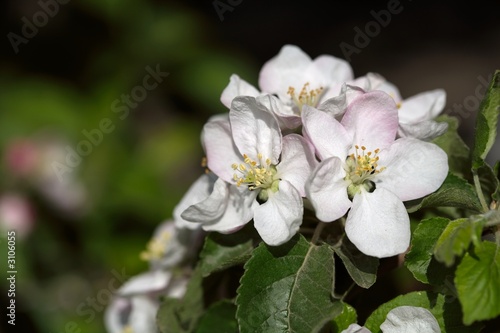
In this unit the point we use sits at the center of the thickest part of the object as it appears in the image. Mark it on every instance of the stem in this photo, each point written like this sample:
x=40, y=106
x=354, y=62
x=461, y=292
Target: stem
x=347, y=291
x=479, y=191
x=317, y=232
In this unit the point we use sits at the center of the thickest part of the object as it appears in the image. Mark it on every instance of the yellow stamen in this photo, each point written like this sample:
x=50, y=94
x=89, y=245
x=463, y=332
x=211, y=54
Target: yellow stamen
x=155, y=249
x=306, y=96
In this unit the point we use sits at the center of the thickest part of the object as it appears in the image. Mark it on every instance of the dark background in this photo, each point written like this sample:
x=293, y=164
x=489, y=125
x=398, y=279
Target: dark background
x=66, y=77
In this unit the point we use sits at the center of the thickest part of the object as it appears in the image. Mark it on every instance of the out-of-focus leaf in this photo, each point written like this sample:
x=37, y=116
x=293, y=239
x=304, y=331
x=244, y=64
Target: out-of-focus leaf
x=456, y=149
x=220, y=318
x=486, y=122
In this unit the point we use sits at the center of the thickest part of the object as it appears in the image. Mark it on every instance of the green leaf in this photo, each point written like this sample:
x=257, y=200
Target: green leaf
x=456, y=149
x=361, y=268
x=347, y=317
x=489, y=182
x=486, y=122
x=478, y=283
x=287, y=288
x=444, y=308
x=221, y=252
x=454, y=192
x=420, y=260
x=181, y=315
x=220, y=318
x=457, y=237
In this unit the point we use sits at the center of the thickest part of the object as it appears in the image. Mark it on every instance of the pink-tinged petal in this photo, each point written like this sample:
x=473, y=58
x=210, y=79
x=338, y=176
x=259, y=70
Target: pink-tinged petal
x=414, y=168
x=237, y=87
x=279, y=218
x=327, y=135
x=426, y=130
x=239, y=211
x=284, y=70
x=149, y=282
x=212, y=207
x=327, y=190
x=372, y=120
x=197, y=192
x=220, y=148
x=255, y=129
x=297, y=161
x=378, y=224
x=410, y=319
x=423, y=106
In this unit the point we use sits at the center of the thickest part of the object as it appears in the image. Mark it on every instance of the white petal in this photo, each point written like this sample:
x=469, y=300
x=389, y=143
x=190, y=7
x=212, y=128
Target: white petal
x=337, y=105
x=212, y=207
x=148, y=282
x=237, y=87
x=279, y=218
x=410, y=319
x=285, y=114
x=197, y=192
x=175, y=244
x=425, y=130
x=332, y=73
x=390, y=89
x=284, y=70
x=355, y=328
x=371, y=81
x=255, y=129
x=327, y=135
x=335, y=69
x=297, y=161
x=414, y=168
x=143, y=315
x=378, y=224
x=372, y=120
x=177, y=287
x=220, y=148
x=114, y=314
x=327, y=190
x=423, y=106
x=239, y=211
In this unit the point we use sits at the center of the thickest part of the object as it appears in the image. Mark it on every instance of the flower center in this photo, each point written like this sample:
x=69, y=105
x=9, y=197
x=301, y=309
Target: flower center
x=306, y=96
x=259, y=174
x=360, y=168
x=155, y=249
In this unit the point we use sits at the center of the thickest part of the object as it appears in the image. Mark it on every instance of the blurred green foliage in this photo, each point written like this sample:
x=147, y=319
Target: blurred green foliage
x=132, y=179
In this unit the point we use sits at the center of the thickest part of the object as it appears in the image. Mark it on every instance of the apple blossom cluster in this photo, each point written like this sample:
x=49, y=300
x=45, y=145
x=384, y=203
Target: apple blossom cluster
x=314, y=137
